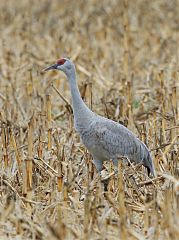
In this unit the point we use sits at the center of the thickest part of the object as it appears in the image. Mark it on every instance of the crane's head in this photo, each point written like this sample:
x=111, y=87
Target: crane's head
x=63, y=64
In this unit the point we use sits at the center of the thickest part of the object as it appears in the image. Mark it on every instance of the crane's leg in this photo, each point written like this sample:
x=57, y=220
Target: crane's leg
x=98, y=164
x=115, y=161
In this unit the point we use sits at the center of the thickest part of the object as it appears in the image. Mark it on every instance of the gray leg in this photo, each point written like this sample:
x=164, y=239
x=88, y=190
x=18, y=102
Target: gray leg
x=115, y=162
x=124, y=161
x=98, y=164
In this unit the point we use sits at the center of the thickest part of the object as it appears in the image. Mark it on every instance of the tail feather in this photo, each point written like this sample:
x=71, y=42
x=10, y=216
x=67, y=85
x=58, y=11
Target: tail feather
x=147, y=161
x=150, y=166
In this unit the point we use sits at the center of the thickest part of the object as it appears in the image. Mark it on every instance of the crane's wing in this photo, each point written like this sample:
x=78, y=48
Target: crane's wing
x=117, y=140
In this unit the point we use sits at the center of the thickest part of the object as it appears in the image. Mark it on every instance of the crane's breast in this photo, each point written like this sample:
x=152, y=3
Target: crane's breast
x=94, y=145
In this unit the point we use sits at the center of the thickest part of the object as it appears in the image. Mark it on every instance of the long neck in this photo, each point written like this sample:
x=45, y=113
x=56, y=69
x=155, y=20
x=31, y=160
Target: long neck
x=82, y=114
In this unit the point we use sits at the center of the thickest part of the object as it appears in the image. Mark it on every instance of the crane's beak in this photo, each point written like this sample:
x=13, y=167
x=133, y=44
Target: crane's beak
x=54, y=66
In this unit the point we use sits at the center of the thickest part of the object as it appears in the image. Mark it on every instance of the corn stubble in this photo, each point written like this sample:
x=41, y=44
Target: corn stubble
x=127, y=62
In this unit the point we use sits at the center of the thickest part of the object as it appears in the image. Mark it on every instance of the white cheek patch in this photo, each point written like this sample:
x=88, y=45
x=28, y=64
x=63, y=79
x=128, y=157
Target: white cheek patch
x=68, y=67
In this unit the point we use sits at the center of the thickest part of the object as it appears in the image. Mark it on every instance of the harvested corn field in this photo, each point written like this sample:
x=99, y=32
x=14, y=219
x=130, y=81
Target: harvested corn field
x=127, y=61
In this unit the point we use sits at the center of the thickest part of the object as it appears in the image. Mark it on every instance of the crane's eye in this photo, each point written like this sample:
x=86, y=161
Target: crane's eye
x=61, y=61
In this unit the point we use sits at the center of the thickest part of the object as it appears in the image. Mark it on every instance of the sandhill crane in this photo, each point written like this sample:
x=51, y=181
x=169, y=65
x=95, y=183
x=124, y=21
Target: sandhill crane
x=105, y=139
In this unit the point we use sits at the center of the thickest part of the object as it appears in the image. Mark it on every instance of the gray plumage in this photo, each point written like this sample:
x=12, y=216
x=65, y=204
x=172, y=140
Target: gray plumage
x=105, y=139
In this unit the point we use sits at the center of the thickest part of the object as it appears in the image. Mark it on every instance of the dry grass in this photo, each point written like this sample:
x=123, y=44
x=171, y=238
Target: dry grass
x=126, y=53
